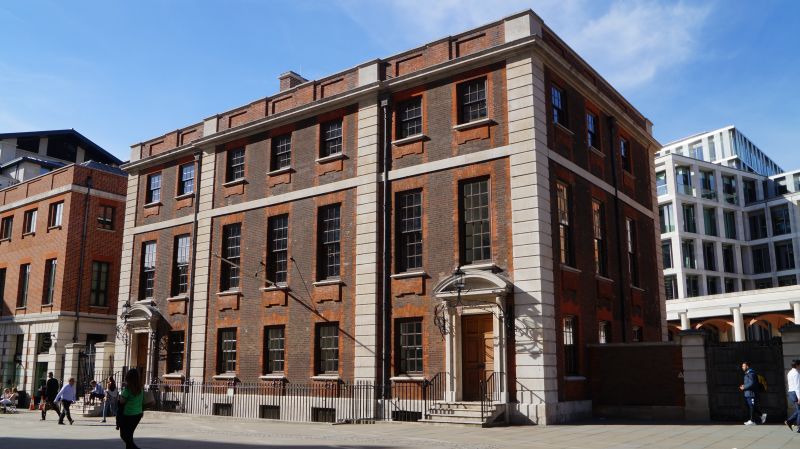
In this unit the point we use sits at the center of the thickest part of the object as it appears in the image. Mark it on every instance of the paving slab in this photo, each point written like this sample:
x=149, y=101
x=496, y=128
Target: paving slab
x=172, y=431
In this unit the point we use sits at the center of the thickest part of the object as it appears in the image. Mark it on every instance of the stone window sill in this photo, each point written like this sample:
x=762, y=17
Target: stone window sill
x=564, y=128
x=569, y=268
x=407, y=379
x=230, y=293
x=184, y=196
x=178, y=298
x=474, y=124
x=51, y=228
x=154, y=204
x=410, y=274
x=638, y=288
x=328, y=282
x=331, y=158
x=275, y=288
x=489, y=266
x=273, y=377
x=596, y=151
x=26, y=234
x=225, y=376
x=603, y=278
x=280, y=171
x=235, y=182
x=327, y=377
x=176, y=376
x=409, y=139
x=5, y=240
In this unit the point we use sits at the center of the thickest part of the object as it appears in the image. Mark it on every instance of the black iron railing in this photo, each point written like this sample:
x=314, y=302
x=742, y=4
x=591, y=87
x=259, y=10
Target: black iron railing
x=325, y=401
x=490, y=391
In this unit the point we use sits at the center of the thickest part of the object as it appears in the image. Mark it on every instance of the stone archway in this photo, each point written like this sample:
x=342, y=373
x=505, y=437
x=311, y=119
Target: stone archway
x=472, y=316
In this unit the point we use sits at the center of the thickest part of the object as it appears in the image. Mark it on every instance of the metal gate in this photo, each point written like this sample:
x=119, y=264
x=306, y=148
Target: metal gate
x=725, y=359
x=86, y=361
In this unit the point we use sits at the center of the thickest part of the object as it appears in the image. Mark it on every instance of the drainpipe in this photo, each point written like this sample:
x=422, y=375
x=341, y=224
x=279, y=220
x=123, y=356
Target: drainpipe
x=387, y=306
x=198, y=159
x=79, y=292
x=612, y=128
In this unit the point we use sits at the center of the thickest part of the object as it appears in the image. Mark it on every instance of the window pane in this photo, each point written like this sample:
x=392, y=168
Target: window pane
x=409, y=117
x=331, y=136
x=476, y=224
x=329, y=238
x=472, y=98
x=231, y=241
x=281, y=152
x=409, y=210
x=277, y=249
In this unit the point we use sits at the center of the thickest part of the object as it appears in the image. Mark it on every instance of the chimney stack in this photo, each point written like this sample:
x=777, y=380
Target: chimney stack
x=290, y=79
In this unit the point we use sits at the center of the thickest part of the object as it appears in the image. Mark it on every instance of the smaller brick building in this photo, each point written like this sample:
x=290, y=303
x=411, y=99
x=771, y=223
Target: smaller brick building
x=60, y=244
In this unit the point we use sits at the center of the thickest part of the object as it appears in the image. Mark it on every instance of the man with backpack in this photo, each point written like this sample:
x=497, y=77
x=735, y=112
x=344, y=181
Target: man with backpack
x=751, y=387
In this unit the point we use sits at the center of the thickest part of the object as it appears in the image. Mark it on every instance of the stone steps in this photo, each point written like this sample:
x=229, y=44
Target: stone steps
x=464, y=413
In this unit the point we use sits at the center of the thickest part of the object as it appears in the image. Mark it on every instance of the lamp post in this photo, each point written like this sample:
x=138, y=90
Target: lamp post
x=459, y=285
x=126, y=313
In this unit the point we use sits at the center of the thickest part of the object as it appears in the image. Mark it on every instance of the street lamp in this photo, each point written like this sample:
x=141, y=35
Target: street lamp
x=126, y=313
x=459, y=285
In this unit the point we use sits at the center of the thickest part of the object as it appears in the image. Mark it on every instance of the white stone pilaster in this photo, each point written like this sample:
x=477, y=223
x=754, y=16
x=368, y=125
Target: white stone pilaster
x=534, y=310
x=367, y=248
x=202, y=243
x=126, y=263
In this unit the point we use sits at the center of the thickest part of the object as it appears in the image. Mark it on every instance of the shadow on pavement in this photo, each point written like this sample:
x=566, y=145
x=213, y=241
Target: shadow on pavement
x=158, y=443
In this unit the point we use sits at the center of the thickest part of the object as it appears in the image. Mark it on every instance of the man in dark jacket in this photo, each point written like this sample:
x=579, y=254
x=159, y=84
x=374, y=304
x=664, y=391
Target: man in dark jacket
x=51, y=390
x=751, y=387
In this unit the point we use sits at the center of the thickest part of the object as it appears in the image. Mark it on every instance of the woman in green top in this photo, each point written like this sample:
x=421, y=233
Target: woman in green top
x=130, y=408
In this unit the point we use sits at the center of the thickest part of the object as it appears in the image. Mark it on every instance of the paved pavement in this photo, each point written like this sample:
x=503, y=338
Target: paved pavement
x=169, y=431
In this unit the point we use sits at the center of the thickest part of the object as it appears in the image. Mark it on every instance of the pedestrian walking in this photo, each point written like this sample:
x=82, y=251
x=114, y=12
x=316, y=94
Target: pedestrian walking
x=131, y=402
x=751, y=387
x=793, y=392
x=112, y=396
x=50, y=393
x=67, y=397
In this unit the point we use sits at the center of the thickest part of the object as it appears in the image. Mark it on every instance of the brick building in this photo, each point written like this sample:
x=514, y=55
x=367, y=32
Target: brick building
x=480, y=204
x=60, y=243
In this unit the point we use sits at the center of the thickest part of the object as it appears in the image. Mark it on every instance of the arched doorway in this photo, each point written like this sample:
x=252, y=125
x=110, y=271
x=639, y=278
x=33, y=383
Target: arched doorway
x=472, y=316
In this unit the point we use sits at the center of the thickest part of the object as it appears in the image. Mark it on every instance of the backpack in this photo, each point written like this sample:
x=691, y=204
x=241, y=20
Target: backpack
x=762, y=383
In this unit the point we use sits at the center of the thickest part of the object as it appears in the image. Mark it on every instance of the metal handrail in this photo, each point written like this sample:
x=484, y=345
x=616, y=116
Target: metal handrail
x=490, y=390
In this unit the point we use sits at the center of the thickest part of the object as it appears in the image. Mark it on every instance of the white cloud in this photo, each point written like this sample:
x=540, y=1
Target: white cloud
x=628, y=41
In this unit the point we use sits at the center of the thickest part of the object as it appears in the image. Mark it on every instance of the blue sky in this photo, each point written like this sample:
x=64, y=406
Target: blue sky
x=122, y=72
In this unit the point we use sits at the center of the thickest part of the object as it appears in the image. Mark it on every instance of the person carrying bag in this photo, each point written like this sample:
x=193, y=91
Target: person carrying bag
x=131, y=408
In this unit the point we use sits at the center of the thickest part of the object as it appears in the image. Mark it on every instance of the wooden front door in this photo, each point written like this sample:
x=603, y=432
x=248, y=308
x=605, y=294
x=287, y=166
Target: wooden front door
x=477, y=353
x=141, y=352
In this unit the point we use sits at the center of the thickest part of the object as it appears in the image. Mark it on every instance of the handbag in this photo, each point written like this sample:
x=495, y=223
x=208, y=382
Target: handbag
x=149, y=400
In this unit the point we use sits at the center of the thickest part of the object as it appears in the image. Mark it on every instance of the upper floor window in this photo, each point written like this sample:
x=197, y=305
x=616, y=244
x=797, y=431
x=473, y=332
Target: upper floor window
x=710, y=255
x=409, y=345
x=633, y=263
x=758, y=225
x=570, y=330
x=558, y=100
x=180, y=273
x=661, y=183
x=234, y=165
x=625, y=154
x=226, y=351
x=409, y=226
x=708, y=185
x=331, y=138
x=231, y=249
x=274, y=349
x=476, y=242
x=148, y=274
x=472, y=100
x=29, y=222
x=49, y=281
x=591, y=130
x=729, y=217
x=710, y=221
x=175, y=349
x=327, y=346
x=750, y=194
x=683, y=180
x=564, y=205
x=55, y=214
x=760, y=259
x=636, y=335
x=780, y=220
x=599, y=231
x=281, y=152
x=99, y=293
x=6, y=226
x=604, y=332
x=329, y=229
x=665, y=218
x=689, y=221
x=696, y=151
x=186, y=183
x=671, y=287
x=666, y=253
x=689, y=259
x=278, y=249
x=2, y=284
x=728, y=259
x=24, y=284
x=106, y=218
x=784, y=255
x=409, y=118
x=729, y=189
x=153, y=188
